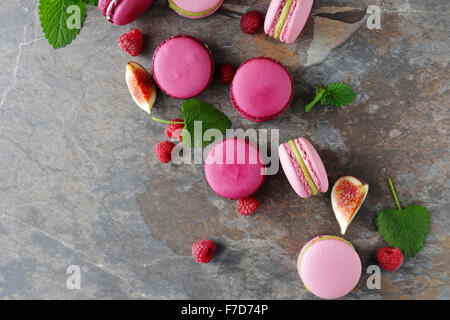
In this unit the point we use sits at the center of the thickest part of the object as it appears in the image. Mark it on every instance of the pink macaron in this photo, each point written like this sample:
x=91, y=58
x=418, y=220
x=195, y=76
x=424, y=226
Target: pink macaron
x=329, y=267
x=285, y=19
x=183, y=66
x=123, y=12
x=195, y=9
x=234, y=169
x=262, y=89
x=303, y=167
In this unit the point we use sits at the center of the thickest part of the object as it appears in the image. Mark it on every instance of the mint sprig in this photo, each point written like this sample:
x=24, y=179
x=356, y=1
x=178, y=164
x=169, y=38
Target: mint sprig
x=335, y=94
x=404, y=228
x=57, y=15
x=195, y=110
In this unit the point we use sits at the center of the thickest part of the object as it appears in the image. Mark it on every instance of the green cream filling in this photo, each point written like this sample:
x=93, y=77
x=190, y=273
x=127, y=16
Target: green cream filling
x=304, y=168
x=282, y=19
x=191, y=14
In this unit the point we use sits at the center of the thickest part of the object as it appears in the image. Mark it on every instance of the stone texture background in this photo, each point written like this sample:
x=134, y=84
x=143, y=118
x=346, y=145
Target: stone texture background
x=79, y=183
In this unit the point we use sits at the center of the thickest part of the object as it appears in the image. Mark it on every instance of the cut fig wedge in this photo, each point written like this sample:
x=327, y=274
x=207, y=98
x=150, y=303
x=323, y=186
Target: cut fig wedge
x=347, y=196
x=141, y=86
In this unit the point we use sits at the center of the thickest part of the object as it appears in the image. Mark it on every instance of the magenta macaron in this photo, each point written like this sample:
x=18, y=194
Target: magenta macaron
x=183, y=66
x=262, y=89
x=195, y=9
x=234, y=168
x=123, y=12
x=329, y=267
x=285, y=19
x=303, y=167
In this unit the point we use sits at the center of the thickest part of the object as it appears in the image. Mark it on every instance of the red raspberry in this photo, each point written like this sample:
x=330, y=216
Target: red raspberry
x=163, y=151
x=131, y=42
x=390, y=259
x=226, y=73
x=174, y=130
x=203, y=251
x=251, y=22
x=247, y=206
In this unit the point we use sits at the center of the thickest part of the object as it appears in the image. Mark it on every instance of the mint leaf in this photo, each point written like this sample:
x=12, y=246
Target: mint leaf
x=336, y=94
x=339, y=94
x=404, y=228
x=211, y=118
x=91, y=2
x=55, y=18
x=320, y=96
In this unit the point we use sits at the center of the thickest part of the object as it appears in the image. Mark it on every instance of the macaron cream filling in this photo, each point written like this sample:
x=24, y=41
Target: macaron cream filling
x=112, y=5
x=302, y=164
x=282, y=19
x=192, y=14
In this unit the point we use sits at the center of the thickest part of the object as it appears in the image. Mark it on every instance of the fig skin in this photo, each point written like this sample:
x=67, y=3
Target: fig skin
x=347, y=197
x=141, y=86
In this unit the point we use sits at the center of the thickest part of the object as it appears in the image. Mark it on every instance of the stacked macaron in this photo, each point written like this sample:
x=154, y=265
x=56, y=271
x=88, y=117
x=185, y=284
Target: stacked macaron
x=195, y=9
x=262, y=89
x=183, y=66
x=303, y=167
x=285, y=19
x=329, y=267
x=234, y=169
x=122, y=12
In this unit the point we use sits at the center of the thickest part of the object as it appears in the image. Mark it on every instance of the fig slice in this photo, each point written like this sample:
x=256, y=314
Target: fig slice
x=347, y=196
x=141, y=86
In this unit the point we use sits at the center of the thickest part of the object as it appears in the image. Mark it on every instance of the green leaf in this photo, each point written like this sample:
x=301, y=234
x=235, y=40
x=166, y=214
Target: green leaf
x=211, y=118
x=339, y=94
x=55, y=18
x=320, y=91
x=91, y=2
x=404, y=229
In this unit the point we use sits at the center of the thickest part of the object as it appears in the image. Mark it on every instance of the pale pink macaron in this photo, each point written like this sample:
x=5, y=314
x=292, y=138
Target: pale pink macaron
x=285, y=19
x=123, y=12
x=329, y=267
x=262, y=89
x=195, y=9
x=234, y=169
x=183, y=66
x=303, y=167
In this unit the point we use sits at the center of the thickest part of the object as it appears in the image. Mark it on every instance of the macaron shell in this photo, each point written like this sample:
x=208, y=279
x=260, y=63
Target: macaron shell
x=329, y=267
x=313, y=163
x=126, y=11
x=183, y=67
x=262, y=89
x=272, y=14
x=293, y=172
x=231, y=176
x=197, y=6
x=296, y=20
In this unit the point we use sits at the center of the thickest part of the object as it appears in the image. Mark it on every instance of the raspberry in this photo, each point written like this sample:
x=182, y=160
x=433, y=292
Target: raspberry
x=131, y=42
x=247, y=206
x=163, y=151
x=174, y=130
x=389, y=258
x=203, y=251
x=251, y=22
x=226, y=73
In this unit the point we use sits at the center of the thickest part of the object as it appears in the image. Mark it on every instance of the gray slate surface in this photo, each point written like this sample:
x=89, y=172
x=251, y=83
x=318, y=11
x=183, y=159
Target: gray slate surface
x=79, y=183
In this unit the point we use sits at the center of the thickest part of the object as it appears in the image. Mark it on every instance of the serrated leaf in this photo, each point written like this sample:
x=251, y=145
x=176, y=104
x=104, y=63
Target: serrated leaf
x=404, y=229
x=54, y=16
x=211, y=118
x=339, y=94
